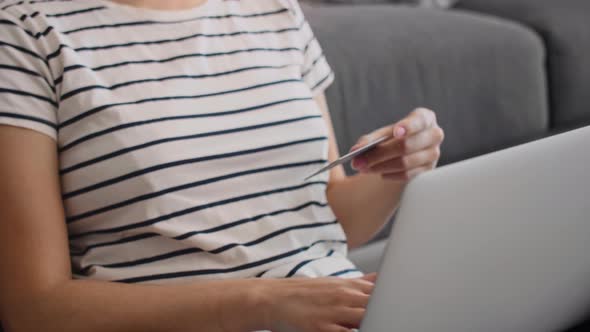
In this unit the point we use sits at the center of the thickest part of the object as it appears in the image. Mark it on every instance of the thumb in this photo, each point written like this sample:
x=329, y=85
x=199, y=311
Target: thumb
x=366, y=139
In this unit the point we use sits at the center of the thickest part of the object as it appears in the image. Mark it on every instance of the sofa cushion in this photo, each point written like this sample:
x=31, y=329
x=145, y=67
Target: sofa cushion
x=564, y=26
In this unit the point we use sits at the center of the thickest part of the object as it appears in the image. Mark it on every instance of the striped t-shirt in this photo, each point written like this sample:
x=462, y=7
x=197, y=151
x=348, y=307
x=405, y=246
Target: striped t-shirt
x=183, y=136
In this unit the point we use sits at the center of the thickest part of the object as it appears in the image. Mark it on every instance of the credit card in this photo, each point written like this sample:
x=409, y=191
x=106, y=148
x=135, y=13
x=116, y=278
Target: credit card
x=348, y=157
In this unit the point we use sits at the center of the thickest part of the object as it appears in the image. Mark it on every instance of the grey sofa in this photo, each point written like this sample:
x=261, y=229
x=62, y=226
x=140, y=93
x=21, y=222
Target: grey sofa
x=497, y=72
x=564, y=27
x=483, y=76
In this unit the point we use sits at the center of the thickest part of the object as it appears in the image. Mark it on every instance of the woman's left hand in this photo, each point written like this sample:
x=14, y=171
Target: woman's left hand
x=414, y=148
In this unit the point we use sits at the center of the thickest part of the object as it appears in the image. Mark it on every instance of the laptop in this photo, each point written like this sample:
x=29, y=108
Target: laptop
x=498, y=243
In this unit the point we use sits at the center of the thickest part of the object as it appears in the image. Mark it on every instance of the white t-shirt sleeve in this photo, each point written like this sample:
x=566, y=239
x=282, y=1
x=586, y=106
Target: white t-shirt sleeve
x=27, y=93
x=316, y=71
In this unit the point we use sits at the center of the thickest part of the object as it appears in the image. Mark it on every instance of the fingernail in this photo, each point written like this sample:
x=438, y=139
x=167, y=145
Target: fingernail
x=399, y=132
x=360, y=163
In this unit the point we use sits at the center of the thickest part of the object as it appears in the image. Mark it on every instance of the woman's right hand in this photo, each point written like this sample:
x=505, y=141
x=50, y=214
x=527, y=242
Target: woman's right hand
x=318, y=305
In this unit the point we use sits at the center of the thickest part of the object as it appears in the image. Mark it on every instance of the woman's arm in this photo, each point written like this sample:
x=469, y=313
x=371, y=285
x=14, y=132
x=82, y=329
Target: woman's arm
x=363, y=203
x=37, y=292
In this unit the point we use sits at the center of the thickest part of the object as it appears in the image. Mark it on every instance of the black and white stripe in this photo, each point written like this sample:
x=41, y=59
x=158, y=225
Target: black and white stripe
x=184, y=236
x=183, y=137
x=193, y=209
x=246, y=266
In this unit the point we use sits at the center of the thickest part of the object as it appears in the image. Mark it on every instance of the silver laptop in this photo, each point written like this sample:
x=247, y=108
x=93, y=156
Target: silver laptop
x=499, y=243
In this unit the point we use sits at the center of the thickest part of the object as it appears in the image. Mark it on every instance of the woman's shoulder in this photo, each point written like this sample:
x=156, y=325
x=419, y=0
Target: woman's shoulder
x=39, y=18
x=38, y=25
x=26, y=10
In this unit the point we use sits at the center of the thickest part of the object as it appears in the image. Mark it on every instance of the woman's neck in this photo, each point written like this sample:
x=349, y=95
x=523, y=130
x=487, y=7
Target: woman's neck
x=163, y=4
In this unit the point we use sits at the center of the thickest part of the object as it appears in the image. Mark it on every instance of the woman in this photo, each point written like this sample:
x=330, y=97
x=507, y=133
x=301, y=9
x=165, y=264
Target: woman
x=153, y=162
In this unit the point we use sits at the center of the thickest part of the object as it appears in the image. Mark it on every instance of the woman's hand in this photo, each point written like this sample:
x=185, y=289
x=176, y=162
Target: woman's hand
x=414, y=148
x=318, y=305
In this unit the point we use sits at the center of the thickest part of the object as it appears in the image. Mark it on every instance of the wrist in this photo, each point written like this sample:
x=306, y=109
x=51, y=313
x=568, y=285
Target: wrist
x=261, y=298
x=246, y=306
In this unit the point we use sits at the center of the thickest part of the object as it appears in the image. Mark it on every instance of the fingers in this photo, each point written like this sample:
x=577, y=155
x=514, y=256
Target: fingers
x=366, y=139
x=399, y=147
x=328, y=304
x=350, y=317
x=362, y=285
x=406, y=175
x=358, y=300
x=419, y=120
x=372, y=277
x=408, y=162
x=336, y=328
x=345, y=319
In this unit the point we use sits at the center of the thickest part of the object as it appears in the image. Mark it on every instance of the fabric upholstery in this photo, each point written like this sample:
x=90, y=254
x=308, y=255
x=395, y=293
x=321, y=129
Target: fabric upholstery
x=564, y=27
x=483, y=76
